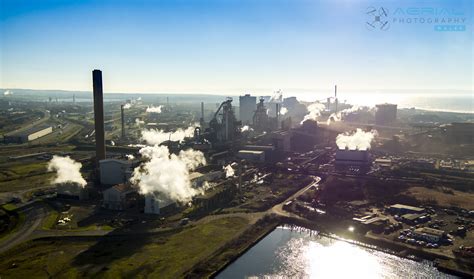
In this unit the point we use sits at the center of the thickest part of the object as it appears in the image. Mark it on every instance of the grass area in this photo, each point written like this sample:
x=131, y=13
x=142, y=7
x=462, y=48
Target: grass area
x=26, y=183
x=9, y=207
x=453, y=198
x=161, y=256
x=50, y=221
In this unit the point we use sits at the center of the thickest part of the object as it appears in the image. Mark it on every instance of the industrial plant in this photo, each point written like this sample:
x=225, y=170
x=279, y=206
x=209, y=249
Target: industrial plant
x=164, y=165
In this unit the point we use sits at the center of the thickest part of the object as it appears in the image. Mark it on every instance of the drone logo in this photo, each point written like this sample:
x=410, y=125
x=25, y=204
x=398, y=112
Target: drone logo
x=377, y=19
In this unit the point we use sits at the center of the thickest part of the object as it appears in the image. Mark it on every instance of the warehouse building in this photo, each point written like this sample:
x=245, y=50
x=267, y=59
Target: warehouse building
x=385, y=114
x=28, y=134
x=347, y=157
x=113, y=171
x=252, y=155
x=119, y=197
x=402, y=209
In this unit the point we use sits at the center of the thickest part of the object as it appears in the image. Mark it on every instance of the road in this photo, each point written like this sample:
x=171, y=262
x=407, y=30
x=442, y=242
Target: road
x=34, y=215
x=278, y=209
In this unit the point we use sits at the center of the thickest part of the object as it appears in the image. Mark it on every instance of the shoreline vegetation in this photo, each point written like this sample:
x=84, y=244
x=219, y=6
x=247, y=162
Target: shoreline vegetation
x=229, y=253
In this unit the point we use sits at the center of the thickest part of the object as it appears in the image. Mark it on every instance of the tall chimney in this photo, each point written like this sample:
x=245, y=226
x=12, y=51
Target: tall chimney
x=277, y=114
x=98, y=115
x=202, y=116
x=123, y=121
x=335, y=95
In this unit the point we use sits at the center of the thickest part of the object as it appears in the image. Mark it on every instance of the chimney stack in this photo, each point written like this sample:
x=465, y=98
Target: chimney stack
x=335, y=95
x=123, y=121
x=98, y=115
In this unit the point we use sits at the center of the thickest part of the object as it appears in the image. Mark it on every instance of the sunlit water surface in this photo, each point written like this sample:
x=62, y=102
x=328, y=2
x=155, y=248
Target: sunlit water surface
x=292, y=254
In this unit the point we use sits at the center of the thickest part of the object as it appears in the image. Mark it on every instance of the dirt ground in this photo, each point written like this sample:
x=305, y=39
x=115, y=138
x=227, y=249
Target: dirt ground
x=453, y=198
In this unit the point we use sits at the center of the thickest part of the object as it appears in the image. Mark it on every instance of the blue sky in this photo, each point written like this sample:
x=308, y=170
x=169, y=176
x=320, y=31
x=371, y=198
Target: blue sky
x=230, y=46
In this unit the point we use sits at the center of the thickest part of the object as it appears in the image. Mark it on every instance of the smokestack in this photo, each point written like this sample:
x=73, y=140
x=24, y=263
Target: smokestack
x=98, y=115
x=277, y=113
x=74, y=98
x=335, y=95
x=123, y=120
x=202, y=115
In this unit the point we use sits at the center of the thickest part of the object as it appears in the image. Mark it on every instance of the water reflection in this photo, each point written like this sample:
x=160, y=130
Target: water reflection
x=291, y=254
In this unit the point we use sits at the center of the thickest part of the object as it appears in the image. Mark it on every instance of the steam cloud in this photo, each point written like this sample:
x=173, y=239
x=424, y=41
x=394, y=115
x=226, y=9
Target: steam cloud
x=359, y=140
x=283, y=110
x=166, y=175
x=154, y=136
x=127, y=106
x=229, y=171
x=67, y=170
x=130, y=157
x=8, y=92
x=314, y=111
x=153, y=109
x=246, y=128
x=139, y=122
x=338, y=116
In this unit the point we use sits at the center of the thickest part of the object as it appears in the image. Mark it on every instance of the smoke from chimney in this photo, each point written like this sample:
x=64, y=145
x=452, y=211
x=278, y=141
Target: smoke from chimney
x=153, y=109
x=229, y=171
x=67, y=170
x=314, y=111
x=166, y=175
x=154, y=136
x=358, y=140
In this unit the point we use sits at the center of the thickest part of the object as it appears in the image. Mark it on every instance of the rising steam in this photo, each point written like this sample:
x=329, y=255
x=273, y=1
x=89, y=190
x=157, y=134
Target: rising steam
x=153, y=109
x=314, y=111
x=166, y=175
x=127, y=106
x=358, y=140
x=283, y=111
x=7, y=93
x=338, y=116
x=67, y=170
x=229, y=171
x=154, y=136
x=246, y=128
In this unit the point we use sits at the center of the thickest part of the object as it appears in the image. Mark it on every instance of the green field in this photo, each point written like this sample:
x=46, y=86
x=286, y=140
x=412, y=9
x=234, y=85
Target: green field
x=166, y=255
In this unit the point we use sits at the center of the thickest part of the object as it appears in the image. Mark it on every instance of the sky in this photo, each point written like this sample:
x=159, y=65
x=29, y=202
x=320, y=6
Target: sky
x=234, y=46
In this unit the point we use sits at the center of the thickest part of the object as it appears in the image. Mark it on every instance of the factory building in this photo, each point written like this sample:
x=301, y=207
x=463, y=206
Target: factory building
x=402, y=209
x=252, y=155
x=113, y=171
x=153, y=205
x=119, y=197
x=386, y=114
x=460, y=132
x=71, y=191
x=346, y=157
x=28, y=134
x=248, y=105
x=429, y=234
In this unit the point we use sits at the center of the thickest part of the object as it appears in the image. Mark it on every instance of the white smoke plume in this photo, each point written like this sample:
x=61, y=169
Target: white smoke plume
x=127, y=106
x=246, y=128
x=130, y=157
x=7, y=93
x=276, y=97
x=153, y=109
x=139, y=122
x=154, y=136
x=229, y=171
x=67, y=170
x=358, y=140
x=166, y=175
x=335, y=117
x=283, y=111
x=314, y=111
